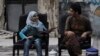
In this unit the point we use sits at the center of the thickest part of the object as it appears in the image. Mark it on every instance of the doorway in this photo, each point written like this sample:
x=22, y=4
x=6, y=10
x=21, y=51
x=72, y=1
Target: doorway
x=15, y=8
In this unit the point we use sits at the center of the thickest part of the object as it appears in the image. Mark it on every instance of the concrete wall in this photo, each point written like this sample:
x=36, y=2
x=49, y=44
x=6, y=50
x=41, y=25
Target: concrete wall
x=51, y=7
x=42, y=6
x=53, y=16
x=95, y=18
x=1, y=14
x=76, y=0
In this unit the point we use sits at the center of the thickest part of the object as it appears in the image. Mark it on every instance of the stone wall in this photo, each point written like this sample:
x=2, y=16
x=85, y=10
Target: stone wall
x=53, y=16
x=42, y=6
x=1, y=14
x=51, y=7
x=76, y=0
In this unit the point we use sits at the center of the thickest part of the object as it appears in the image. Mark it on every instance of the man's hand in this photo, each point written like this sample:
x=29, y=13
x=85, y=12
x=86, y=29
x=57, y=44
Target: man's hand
x=53, y=28
x=69, y=33
x=50, y=30
x=84, y=35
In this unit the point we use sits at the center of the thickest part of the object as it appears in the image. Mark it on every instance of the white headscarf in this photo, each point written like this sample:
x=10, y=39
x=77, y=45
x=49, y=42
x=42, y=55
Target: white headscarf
x=29, y=21
x=37, y=24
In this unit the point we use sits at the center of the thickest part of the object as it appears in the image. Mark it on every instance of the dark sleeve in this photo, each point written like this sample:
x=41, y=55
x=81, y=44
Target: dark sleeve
x=62, y=21
x=68, y=24
x=88, y=25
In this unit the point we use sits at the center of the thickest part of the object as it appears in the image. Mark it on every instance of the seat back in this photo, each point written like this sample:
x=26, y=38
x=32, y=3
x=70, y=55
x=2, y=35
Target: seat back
x=22, y=21
x=42, y=18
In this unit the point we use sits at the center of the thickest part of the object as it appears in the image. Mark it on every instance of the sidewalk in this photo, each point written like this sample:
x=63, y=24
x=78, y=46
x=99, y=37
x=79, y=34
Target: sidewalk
x=6, y=46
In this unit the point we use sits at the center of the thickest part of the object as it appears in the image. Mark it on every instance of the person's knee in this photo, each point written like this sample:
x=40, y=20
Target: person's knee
x=37, y=41
x=27, y=42
x=38, y=44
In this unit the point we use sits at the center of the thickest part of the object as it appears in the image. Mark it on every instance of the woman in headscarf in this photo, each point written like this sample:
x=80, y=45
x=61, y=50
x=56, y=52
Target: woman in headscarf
x=31, y=33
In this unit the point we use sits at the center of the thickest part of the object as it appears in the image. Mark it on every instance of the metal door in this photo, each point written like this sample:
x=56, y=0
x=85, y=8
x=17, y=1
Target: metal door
x=15, y=8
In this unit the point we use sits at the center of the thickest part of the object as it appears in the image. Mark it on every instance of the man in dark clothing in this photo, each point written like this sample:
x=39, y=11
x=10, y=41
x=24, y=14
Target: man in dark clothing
x=77, y=28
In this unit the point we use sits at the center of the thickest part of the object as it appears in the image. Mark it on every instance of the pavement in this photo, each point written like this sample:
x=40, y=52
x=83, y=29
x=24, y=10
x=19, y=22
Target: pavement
x=6, y=44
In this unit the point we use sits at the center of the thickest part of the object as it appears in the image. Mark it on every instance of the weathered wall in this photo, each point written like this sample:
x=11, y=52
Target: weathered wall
x=76, y=0
x=53, y=16
x=1, y=14
x=42, y=6
x=51, y=7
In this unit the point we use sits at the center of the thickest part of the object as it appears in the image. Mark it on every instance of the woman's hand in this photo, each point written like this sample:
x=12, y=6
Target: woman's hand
x=30, y=37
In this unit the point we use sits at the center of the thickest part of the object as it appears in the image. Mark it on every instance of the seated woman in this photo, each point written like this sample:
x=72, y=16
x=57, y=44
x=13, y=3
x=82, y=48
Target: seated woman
x=31, y=33
x=77, y=29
